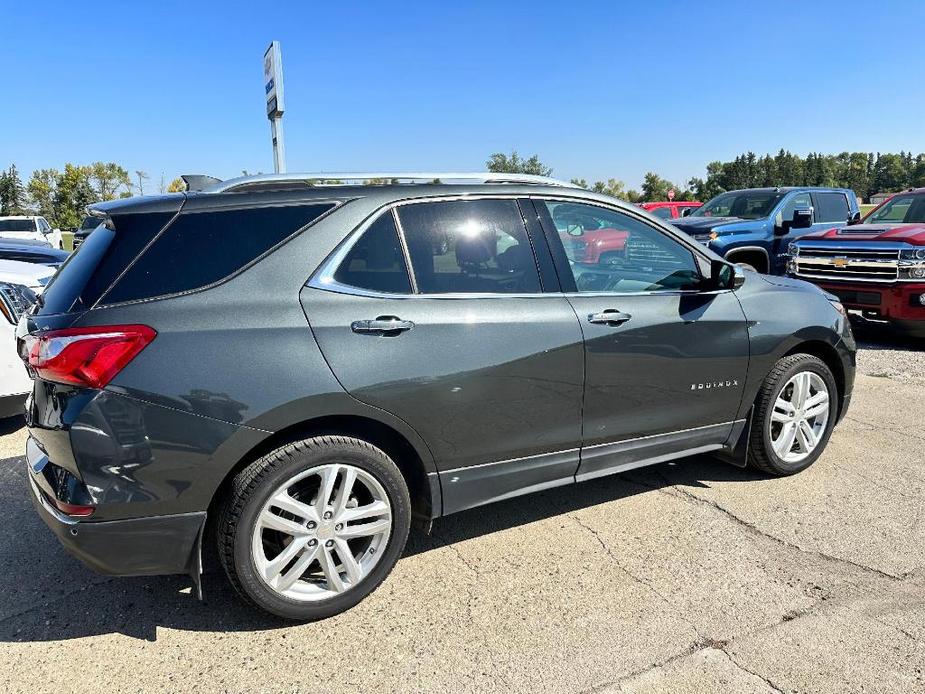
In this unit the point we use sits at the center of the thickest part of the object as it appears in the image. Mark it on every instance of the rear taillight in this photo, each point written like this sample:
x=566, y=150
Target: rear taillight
x=88, y=357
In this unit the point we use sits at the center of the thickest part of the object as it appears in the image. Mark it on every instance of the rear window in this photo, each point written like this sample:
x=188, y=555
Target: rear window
x=90, y=270
x=201, y=248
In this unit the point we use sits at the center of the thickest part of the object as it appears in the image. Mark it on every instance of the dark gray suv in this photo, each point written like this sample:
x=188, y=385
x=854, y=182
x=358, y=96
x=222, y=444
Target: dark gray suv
x=297, y=371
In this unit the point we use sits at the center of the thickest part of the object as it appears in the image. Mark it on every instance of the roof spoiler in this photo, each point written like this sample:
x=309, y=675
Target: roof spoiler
x=197, y=182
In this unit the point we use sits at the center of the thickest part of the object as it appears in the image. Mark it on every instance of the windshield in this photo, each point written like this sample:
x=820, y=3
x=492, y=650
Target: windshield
x=745, y=204
x=901, y=208
x=17, y=225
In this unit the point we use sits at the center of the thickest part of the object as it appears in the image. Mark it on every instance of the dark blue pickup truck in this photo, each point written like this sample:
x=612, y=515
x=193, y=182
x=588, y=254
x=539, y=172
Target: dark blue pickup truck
x=754, y=227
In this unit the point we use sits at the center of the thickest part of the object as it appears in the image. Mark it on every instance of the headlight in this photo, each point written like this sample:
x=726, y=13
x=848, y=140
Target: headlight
x=14, y=300
x=837, y=305
x=912, y=264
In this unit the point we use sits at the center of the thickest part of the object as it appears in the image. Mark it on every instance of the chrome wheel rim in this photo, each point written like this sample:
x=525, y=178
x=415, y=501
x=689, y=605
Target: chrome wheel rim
x=321, y=532
x=799, y=417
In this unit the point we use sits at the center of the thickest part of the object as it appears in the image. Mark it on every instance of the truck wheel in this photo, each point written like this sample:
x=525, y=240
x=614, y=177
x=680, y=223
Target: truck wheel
x=312, y=528
x=794, y=415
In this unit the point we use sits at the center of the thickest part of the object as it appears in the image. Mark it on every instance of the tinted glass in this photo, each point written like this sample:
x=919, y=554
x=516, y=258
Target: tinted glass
x=16, y=225
x=200, y=248
x=609, y=251
x=832, y=207
x=475, y=246
x=746, y=204
x=90, y=270
x=376, y=261
x=662, y=212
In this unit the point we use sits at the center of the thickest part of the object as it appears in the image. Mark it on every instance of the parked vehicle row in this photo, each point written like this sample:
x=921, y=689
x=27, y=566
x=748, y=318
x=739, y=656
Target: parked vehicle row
x=361, y=357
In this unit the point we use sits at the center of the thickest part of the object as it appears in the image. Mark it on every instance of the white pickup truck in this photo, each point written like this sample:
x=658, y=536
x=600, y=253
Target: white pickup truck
x=19, y=285
x=30, y=227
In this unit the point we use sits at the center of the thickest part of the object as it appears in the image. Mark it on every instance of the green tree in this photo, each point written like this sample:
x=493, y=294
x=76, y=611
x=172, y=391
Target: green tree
x=12, y=192
x=108, y=180
x=73, y=193
x=513, y=163
x=176, y=186
x=41, y=189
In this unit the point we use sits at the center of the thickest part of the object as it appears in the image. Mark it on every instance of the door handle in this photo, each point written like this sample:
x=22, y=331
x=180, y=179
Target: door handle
x=382, y=324
x=610, y=316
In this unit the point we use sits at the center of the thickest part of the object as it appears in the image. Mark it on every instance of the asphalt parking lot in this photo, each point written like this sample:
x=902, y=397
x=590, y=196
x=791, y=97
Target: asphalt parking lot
x=692, y=576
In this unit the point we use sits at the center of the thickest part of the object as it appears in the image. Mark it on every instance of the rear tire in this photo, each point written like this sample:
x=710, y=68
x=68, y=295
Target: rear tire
x=309, y=530
x=794, y=415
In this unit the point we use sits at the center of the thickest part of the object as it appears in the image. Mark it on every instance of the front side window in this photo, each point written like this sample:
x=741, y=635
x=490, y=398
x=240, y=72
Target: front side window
x=469, y=246
x=832, y=207
x=376, y=261
x=744, y=204
x=800, y=201
x=610, y=251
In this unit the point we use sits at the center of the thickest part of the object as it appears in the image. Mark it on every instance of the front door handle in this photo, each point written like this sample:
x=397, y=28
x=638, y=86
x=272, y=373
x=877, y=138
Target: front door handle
x=610, y=316
x=382, y=324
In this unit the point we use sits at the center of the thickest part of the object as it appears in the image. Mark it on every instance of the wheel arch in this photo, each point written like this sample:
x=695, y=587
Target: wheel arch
x=423, y=485
x=829, y=356
x=745, y=253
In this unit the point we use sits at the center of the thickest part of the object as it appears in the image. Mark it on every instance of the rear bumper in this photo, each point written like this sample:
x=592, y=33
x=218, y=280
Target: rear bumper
x=892, y=302
x=134, y=547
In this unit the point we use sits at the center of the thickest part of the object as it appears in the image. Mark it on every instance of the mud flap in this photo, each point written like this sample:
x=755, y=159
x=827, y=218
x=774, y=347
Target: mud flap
x=735, y=451
x=195, y=562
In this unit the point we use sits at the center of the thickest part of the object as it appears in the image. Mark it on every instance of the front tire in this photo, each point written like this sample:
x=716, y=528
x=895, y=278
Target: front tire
x=312, y=528
x=794, y=415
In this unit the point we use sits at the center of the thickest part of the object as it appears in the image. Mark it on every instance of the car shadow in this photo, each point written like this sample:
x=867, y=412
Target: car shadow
x=875, y=334
x=48, y=595
x=10, y=425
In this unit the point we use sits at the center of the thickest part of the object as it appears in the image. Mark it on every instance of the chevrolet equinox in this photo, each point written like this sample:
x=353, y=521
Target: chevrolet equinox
x=296, y=369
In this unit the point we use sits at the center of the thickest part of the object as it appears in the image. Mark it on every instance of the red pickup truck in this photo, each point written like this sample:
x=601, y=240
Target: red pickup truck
x=670, y=210
x=877, y=266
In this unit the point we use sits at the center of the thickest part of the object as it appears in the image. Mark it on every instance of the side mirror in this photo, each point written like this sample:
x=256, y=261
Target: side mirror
x=725, y=275
x=802, y=219
x=854, y=219
x=685, y=212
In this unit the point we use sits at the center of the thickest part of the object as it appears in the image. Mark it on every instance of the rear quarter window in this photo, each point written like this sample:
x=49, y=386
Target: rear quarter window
x=201, y=248
x=832, y=207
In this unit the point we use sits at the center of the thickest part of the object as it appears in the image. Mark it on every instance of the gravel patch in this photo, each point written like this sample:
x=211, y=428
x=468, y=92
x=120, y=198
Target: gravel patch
x=885, y=353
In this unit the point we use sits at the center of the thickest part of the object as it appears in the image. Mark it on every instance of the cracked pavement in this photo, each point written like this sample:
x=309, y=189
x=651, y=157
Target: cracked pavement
x=687, y=576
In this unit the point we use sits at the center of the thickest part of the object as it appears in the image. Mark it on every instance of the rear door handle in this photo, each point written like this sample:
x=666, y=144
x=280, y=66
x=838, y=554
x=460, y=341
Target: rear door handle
x=610, y=316
x=382, y=324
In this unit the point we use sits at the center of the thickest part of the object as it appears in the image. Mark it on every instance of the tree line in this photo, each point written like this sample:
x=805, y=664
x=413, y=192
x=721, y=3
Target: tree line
x=866, y=173
x=62, y=196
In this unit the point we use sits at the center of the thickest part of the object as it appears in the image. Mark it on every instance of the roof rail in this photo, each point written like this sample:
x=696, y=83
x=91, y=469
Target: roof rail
x=352, y=178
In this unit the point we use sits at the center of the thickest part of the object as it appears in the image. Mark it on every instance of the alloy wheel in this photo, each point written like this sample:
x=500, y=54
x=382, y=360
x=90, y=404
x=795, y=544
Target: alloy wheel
x=321, y=532
x=799, y=417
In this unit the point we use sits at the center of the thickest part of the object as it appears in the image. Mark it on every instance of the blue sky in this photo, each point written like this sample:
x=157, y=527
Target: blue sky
x=598, y=90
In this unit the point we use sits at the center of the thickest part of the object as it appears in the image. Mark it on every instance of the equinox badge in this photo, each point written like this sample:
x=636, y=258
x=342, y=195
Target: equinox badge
x=714, y=384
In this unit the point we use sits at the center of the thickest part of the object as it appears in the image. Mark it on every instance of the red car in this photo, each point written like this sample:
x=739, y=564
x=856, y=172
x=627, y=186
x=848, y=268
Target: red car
x=670, y=210
x=877, y=266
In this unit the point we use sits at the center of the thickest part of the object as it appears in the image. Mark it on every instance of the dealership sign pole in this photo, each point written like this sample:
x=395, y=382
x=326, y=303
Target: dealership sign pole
x=273, y=86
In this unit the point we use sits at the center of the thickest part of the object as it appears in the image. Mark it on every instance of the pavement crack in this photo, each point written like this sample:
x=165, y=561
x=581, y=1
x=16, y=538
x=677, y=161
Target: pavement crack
x=739, y=665
x=452, y=547
x=675, y=609
x=680, y=493
x=901, y=432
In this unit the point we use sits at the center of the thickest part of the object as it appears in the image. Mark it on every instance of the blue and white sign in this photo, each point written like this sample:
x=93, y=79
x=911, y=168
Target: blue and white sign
x=273, y=80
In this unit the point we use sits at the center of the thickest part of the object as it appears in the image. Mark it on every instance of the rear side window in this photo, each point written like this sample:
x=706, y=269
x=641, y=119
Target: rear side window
x=201, y=248
x=831, y=207
x=471, y=246
x=376, y=261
